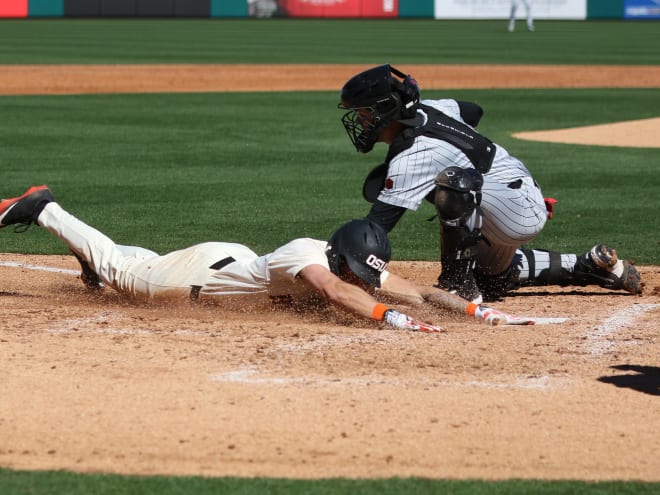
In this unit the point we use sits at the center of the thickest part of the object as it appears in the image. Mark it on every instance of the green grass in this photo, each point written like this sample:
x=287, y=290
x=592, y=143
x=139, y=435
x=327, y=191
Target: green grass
x=165, y=171
x=325, y=41
x=34, y=483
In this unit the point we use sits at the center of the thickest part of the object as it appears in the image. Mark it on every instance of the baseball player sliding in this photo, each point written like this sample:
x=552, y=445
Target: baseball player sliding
x=488, y=203
x=346, y=271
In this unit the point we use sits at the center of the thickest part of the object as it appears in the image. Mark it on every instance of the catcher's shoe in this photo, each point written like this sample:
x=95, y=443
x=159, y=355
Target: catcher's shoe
x=497, y=287
x=89, y=277
x=457, y=278
x=24, y=209
x=601, y=266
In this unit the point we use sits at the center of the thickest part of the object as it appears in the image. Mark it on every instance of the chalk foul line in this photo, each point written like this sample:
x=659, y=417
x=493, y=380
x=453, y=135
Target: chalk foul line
x=13, y=264
x=599, y=335
x=251, y=376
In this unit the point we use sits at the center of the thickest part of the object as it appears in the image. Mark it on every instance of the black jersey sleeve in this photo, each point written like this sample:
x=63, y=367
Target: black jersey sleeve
x=471, y=113
x=385, y=215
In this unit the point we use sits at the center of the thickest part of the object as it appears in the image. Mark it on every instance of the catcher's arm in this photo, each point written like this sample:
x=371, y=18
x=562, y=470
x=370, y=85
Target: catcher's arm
x=471, y=113
x=411, y=293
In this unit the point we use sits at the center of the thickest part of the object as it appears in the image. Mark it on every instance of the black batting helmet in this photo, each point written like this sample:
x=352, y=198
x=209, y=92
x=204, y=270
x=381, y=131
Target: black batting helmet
x=384, y=96
x=363, y=246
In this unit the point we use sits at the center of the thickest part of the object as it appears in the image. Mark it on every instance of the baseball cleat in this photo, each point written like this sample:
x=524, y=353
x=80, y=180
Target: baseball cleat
x=89, y=277
x=25, y=209
x=463, y=285
x=601, y=266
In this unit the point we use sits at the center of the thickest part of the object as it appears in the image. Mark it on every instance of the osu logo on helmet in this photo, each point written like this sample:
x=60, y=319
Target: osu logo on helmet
x=375, y=262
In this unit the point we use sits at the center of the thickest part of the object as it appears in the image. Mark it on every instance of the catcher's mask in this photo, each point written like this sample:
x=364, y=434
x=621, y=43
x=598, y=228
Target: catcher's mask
x=363, y=247
x=374, y=99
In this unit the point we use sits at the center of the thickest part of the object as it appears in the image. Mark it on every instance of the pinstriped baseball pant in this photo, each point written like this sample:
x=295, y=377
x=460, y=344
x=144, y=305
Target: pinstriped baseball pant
x=510, y=218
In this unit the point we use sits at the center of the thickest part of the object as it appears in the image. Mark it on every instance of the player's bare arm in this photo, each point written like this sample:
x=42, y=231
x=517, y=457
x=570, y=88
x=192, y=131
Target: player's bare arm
x=411, y=293
x=338, y=292
x=357, y=301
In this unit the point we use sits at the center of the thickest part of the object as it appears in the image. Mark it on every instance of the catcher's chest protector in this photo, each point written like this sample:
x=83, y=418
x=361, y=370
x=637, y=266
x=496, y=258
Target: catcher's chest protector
x=479, y=149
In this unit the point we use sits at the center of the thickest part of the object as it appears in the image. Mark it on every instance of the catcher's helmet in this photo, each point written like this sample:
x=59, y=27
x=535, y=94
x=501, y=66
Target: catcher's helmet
x=363, y=246
x=374, y=99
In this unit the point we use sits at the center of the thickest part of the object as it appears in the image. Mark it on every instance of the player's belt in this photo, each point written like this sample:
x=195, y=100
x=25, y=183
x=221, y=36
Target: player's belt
x=218, y=265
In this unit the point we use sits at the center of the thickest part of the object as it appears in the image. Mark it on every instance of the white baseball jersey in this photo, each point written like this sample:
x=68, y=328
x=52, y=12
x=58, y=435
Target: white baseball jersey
x=211, y=268
x=512, y=204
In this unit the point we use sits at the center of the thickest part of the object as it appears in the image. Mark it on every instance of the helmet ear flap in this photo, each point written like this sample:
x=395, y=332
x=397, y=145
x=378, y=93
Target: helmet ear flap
x=409, y=91
x=390, y=107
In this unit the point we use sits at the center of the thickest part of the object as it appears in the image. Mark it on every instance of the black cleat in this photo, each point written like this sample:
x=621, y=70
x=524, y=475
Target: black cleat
x=601, y=266
x=88, y=276
x=24, y=209
x=458, y=278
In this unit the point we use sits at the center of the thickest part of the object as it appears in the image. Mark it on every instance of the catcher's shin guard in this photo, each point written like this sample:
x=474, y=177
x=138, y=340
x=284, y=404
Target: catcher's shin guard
x=458, y=257
x=457, y=196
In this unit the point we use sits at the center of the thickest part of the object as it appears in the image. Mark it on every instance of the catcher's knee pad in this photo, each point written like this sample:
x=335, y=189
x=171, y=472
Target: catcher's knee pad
x=457, y=192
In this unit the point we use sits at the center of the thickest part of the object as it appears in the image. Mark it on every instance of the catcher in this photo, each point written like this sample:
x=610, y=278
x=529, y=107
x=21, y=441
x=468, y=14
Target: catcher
x=346, y=271
x=488, y=203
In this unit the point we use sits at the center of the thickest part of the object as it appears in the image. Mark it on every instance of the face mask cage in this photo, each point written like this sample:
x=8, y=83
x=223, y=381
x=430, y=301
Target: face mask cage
x=364, y=131
x=362, y=134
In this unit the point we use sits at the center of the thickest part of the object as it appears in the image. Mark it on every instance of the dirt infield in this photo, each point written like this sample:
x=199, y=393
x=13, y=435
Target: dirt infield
x=91, y=383
x=78, y=79
x=94, y=383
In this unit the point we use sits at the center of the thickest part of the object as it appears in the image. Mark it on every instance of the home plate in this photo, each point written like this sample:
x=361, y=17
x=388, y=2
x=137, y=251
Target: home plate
x=548, y=321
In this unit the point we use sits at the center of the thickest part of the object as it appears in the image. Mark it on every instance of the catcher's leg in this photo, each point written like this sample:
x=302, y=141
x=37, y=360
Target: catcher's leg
x=599, y=266
x=457, y=196
x=495, y=280
x=513, y=214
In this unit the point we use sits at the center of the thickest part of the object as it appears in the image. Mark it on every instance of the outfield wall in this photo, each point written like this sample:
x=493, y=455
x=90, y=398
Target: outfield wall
x=438, y=9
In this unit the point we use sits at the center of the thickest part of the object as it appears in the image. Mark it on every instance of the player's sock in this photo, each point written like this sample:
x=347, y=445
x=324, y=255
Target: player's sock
x=541, y=267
